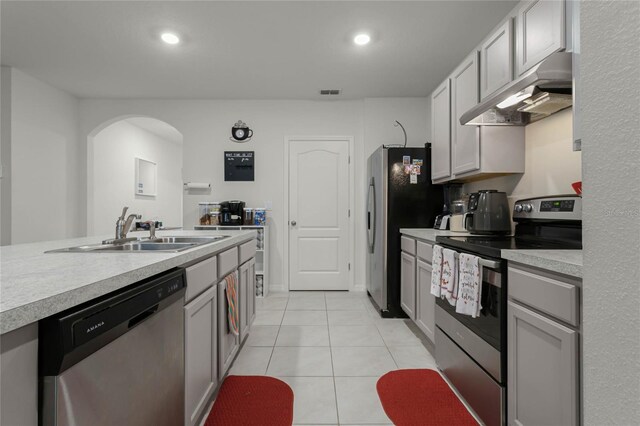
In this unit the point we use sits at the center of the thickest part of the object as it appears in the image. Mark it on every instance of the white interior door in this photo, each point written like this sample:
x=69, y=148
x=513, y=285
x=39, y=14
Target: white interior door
x=319, y=214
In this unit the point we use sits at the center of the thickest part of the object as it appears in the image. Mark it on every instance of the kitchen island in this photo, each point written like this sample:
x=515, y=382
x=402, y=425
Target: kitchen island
x=35, y=285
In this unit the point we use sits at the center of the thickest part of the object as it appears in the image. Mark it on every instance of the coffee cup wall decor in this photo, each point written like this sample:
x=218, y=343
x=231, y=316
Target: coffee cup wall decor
x=240, y=132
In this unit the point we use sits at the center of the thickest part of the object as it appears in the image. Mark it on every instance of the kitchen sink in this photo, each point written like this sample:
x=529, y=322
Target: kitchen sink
x=148, y=246
x=160, y=244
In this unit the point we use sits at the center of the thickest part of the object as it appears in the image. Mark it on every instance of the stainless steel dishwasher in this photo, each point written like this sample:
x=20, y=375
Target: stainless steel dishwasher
x=118, y=360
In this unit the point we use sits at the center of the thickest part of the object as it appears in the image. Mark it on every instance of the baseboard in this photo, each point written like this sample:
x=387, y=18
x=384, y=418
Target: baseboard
x=359, y=287
x=281, y=288
x=277, y=287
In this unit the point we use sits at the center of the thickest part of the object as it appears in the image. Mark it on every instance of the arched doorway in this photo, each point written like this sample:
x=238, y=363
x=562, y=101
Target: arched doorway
x=116, y=149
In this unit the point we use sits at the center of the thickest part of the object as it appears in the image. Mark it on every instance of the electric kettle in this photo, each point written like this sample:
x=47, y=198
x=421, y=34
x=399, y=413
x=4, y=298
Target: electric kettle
x=488, y=213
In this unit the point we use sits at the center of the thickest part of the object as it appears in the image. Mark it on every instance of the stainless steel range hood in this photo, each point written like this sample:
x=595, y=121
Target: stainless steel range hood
x=543, y=90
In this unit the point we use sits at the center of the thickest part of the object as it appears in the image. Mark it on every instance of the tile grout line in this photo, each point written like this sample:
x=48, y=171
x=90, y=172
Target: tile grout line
x=277, y=334
x=333, y=371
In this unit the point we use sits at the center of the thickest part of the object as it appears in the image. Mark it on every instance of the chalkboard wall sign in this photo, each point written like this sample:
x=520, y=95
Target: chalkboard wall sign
x=238, y=166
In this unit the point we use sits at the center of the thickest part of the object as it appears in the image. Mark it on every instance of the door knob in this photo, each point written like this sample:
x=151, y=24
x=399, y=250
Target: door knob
x=293, y=223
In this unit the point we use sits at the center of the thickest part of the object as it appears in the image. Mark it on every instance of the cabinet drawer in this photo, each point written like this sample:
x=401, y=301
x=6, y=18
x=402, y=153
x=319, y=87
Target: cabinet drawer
x=200, y=277
x=425, y=251
x=247, y=251
x=227, y=261
x=408, y=245
x=556, y=298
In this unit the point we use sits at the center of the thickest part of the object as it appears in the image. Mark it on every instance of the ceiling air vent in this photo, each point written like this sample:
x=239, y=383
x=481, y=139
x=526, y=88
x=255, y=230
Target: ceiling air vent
x=330, y=92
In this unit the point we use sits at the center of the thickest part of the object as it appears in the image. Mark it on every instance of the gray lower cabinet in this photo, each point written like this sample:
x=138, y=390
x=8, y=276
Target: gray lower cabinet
x=251, y=293
x=19, y=377
x=543, y=320
x=201, y=354
x=247, y=294
x=426, y=302
x=408, y=284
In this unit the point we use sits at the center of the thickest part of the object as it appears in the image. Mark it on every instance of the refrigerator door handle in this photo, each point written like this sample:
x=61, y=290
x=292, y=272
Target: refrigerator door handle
x=371, y=215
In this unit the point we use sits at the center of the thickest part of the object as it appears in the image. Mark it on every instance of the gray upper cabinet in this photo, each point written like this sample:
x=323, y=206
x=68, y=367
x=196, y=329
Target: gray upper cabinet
x=468, y=152
x=426, y=302
x=441, y=131
x=540, y=31
x=464, y=96
x=496, y=59
x=408, y=284
x=543, y=375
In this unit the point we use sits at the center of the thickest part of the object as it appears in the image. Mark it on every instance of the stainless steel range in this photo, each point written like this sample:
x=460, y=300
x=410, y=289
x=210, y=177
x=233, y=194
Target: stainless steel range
x=472, y=352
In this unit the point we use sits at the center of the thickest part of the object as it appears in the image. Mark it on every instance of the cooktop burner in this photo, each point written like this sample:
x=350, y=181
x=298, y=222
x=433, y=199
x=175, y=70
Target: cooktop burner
x=491, y=246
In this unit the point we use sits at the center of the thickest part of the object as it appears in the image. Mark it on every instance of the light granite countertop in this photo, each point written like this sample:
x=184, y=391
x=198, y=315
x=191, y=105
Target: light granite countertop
x=35, y=284
x=429, y=234
x=568, y=262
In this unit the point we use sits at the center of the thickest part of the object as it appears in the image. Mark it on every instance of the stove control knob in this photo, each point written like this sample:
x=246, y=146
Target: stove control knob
x=518, y=208
x=528, y=208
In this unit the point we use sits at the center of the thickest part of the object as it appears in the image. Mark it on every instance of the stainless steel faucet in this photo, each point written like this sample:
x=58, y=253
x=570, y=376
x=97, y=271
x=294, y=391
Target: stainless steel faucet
x=152, y=229
x=123, y=226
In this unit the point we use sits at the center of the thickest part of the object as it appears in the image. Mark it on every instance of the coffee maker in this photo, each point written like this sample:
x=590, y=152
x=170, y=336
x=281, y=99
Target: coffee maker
x=231, y=213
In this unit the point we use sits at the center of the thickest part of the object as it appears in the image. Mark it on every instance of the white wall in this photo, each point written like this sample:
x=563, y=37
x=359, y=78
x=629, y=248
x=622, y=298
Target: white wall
x=611, y=217
x=112, y=175
x=551, y=165
x=5, y=156
x=206, y=124
x=45, y=186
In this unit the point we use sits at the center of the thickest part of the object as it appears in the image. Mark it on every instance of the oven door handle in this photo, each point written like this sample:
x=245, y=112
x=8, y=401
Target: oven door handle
x=491, y=264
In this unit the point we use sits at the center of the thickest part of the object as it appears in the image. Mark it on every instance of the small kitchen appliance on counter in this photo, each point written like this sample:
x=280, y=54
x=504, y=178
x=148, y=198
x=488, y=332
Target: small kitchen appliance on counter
x=231, y=213
x=458, y=212
x=472, y=352
x=488, y=213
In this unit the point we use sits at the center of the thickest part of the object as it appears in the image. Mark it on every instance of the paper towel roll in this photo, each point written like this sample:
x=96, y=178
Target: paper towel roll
x=197, y=185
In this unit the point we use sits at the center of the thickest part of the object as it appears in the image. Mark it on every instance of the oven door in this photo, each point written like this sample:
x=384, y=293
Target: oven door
x=488, y=326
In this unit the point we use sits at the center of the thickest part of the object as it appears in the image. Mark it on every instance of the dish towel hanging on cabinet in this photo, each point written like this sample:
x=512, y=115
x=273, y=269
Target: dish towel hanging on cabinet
x=232, y=301
x=436, y=272
x=449, y=281
x=470, y=291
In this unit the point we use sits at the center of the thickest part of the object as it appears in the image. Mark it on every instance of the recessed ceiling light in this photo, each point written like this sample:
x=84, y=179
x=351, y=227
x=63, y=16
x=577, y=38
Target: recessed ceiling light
x=362, y=39
x=170, y=38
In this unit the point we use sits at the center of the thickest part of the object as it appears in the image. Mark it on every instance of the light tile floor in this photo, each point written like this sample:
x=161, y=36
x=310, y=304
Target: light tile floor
x=331, y=348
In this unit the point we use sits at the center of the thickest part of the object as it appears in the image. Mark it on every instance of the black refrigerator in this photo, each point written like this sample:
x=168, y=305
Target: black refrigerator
x=400, y=195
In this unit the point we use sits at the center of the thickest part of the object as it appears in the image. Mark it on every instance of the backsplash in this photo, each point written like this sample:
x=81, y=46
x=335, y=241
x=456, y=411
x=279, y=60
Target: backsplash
x=551, y=165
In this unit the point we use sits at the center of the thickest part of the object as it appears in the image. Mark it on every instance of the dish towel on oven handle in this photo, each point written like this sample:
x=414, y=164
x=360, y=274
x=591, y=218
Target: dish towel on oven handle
x=436, y=272
x=449, y=280
x=470, y=285
x=232, y=301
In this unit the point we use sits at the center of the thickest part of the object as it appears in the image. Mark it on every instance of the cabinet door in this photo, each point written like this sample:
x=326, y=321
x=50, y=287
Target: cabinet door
x=540, y=31
x=251, y=293
x=243, y=284
x=426, y=306
x=201, y=351
x=496, y=60
x=408, y=284
x=464, y=96
x=441, y=131
x=543, y=382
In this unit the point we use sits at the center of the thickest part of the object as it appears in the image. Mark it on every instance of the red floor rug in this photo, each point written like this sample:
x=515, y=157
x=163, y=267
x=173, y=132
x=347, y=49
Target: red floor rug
x=252, y=400
x=421, y=398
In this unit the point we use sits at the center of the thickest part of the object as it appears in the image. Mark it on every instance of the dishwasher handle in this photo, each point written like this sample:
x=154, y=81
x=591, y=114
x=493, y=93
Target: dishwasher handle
x=142, y=316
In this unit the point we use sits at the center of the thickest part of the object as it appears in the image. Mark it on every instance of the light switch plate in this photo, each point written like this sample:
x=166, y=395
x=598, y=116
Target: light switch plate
x=577, y=145
x=268, y=204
